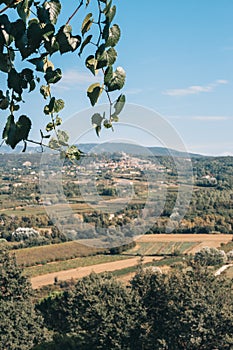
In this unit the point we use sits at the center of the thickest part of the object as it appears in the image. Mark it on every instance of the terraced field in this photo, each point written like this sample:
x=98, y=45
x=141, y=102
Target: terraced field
x=184, y=243
x=161, y=248
x=54, y=252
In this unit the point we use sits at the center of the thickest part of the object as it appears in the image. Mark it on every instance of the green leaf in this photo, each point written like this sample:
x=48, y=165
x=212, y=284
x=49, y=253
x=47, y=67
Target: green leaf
x=27, y=78
x=14, y=81
x=94, y=91
x=5, y=31
x=18, y=30
x=119, y=105
x=110, y=14
x=53, y=76
x=58, y=121
x=4, y=101
x=54, y=106
x=85, y=43
x=45, y=91
x=115, y=118
x=107, y=124
x=118, y=80
x=108, y=6
x=87, y=23
x=51, y=104
x=15, y=107
x=9, y=127
x=108, y=75
x=49, y=12
x=13, y=132
x=49, y=127
x=42, y=63
x=114, y=36
x=54, y=9
x=101, y=57
x=63, y=137
x=23, y=126
x=6, y=61
x=51, y=45
x=73, y=153
x=58, y=105
x=34, y=38
x=91, y=63
x=97, y=130
x=23, y=10
x=97, y=119
x=105, y=58
x=106, y=32
x=112, y=56
x=54, y=144
x=48, y=31
x=39, y=63
x=67, y=42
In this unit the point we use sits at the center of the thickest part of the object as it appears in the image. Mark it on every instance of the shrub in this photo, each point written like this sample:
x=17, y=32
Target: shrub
x=210, y=257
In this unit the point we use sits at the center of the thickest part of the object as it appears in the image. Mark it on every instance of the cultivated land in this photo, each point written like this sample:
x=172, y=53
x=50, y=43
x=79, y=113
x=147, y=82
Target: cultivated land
x=55, y=252
x=71, y=264
x=40, y=281
x=199, y=240
x=77, y=268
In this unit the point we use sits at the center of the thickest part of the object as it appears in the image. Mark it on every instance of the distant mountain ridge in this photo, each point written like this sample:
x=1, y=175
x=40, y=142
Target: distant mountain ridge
x=135, y=150
x=110, y=147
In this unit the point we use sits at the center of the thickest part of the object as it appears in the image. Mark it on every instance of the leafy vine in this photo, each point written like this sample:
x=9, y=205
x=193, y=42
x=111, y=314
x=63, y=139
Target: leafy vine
x=33, y=38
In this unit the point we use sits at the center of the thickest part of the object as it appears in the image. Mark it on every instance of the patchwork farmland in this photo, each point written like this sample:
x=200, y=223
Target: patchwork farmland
x=152, y=247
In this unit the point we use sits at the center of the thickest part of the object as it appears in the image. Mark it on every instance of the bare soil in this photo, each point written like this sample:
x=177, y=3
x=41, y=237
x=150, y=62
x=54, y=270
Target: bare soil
x=43, y=280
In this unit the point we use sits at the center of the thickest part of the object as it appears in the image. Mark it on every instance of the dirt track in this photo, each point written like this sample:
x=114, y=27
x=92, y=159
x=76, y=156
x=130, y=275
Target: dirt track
x=80, y=272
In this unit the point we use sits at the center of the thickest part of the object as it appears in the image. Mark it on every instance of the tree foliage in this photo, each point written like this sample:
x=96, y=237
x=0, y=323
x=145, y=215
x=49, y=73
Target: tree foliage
x=99, y=313
x=20, y=326
x=210, y=257
x=188, y=309
x=30, y=34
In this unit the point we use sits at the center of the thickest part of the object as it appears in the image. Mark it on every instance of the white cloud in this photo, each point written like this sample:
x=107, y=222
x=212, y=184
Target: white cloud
x=222, y=81
x=133, y=91
x=207, y=118
x=73, y=79
x=195, y=89
x=204, y=118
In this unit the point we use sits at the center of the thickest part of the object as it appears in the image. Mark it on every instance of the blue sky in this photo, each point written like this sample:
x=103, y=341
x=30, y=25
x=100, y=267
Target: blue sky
x=178, y=56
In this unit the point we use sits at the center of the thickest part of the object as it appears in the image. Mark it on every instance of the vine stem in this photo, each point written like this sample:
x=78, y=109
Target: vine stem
x=41, y=144
x=99, y=23
x=7, y=6
x=13, y=2
x=74, y=13
x=109, y=98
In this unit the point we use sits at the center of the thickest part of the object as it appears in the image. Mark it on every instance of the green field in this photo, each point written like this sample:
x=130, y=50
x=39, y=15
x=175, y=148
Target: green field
x=71, y=264
x=161, y=248
x=159, y=263
x=54, y=252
